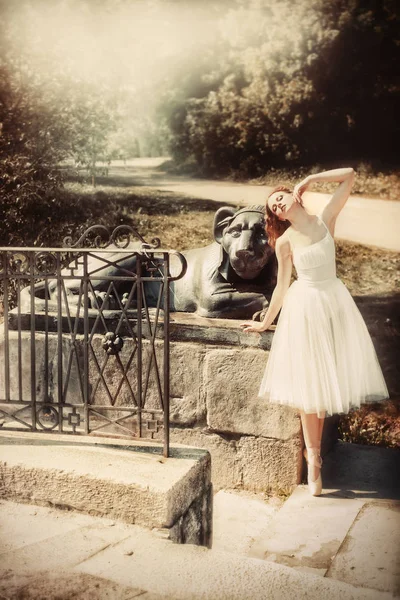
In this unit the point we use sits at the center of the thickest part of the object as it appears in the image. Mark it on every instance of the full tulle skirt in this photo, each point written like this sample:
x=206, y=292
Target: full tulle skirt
x=322, y=358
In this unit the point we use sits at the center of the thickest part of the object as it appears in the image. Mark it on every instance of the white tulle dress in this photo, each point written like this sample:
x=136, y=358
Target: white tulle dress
x=322, y=358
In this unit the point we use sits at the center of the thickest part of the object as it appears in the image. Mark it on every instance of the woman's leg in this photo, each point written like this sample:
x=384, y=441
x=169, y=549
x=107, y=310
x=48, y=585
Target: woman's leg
x=312, y=432
x=321, y=425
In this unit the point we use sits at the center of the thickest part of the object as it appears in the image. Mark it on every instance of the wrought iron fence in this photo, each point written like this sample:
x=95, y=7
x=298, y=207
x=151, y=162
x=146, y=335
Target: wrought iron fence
x=84, y=343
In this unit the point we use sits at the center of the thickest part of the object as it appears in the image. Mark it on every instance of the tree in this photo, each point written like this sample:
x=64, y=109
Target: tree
x=293, y=82
x=45, y=119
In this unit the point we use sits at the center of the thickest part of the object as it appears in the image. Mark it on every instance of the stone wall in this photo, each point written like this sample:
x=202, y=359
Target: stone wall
x=216, y=371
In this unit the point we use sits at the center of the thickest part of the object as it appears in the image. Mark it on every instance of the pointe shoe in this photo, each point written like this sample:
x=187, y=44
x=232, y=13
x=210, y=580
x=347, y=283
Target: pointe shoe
x=314, y=487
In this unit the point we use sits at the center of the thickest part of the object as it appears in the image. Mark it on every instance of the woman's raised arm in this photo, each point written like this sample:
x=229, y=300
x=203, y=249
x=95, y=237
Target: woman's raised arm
x=345, y=177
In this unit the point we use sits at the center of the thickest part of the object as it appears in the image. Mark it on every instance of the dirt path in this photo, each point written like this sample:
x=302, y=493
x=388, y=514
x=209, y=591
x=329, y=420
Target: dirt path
x=363, y=220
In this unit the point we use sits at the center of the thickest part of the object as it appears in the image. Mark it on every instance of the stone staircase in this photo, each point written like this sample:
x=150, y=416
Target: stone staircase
x=349, y=534
x=54, y=554
x=342, y=545
x=346, y=539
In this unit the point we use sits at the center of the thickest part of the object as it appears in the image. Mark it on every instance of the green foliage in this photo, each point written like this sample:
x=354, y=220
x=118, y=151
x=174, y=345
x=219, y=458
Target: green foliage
x=292, y=83
x=45, y=119
x=27, y=151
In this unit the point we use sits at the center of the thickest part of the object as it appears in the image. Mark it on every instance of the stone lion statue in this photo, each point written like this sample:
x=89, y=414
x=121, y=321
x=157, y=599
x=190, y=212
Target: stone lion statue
x=231, y=278
x=234, y=276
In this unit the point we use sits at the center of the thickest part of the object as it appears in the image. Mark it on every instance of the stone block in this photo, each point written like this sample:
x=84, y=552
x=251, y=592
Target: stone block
x=225, y=469
x=308, y=531
x=115, y=378
x=43, y=369
x=187, y=397
x=369, y=555
x=269, y=464
x=195, y=526
x=232, y=379
x=248, y=462
x=190, y=327
x=131, y=482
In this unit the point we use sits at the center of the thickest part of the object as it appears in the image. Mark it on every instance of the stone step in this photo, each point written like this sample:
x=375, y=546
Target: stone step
x=39, y=547
x=134, y=560
x=370, y=554
x=122, y=479
x=351, y=539
x=238, y=518
x=311, y=534
x=65, y=584
x=345, y=535
x=307, y=531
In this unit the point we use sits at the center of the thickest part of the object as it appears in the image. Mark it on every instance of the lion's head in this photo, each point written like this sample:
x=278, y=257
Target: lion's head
x=243, y=239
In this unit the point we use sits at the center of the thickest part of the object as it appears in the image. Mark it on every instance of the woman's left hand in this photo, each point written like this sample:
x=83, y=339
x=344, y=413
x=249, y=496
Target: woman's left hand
x=250, y=326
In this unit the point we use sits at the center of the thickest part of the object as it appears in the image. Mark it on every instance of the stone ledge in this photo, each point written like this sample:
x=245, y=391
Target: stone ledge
x=183, y=327
x=128, y=481
x=186, y=326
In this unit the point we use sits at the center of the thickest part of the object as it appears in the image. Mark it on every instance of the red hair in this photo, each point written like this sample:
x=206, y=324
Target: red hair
x=274, y=227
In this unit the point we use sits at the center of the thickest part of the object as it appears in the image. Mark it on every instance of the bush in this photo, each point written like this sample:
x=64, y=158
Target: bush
x=377, y=425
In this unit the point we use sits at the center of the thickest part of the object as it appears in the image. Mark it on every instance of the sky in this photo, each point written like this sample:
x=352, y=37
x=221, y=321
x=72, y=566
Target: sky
x=126, y=42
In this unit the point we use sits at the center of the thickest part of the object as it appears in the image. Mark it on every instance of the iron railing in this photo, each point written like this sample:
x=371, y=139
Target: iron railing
x=84, y=343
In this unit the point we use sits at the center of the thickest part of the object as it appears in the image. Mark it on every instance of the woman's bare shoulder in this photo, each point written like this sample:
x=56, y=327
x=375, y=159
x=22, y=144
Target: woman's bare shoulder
x=283, y=245
x=286, y=236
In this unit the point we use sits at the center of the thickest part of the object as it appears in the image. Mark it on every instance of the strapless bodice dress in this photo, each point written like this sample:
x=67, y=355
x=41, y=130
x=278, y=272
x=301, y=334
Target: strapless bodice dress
x=322, y=358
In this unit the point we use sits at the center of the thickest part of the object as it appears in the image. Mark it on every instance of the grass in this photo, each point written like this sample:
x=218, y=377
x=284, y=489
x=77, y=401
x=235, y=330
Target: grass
x=180, y=221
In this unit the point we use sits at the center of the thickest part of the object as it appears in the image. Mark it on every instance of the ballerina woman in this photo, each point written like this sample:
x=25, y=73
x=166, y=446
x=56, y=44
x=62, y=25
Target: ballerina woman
x=322, y=359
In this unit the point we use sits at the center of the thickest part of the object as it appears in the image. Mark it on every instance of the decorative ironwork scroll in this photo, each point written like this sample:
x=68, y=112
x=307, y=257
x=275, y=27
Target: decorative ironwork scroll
x=99, y=236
